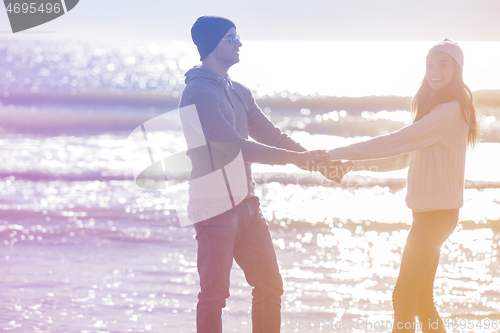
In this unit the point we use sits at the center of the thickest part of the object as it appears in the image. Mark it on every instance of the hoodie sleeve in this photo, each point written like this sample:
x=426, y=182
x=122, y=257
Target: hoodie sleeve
x=217, y=129
x=264, y=131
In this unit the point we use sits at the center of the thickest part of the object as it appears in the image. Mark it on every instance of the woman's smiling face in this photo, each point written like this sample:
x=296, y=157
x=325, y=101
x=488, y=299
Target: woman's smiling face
x=440, y=68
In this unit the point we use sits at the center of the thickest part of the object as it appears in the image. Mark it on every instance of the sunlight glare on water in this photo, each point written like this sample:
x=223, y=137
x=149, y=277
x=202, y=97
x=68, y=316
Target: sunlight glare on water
x=97, y=253
x=352, y=68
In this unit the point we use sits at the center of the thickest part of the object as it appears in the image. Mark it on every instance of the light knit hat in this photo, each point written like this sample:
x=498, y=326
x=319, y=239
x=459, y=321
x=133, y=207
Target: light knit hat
x=451, y=48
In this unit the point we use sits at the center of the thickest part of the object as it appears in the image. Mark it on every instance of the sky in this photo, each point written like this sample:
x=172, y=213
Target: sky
x=464, y=20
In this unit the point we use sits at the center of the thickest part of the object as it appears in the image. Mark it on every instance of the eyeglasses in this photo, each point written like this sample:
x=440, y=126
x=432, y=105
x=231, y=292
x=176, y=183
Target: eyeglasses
x=232, y=38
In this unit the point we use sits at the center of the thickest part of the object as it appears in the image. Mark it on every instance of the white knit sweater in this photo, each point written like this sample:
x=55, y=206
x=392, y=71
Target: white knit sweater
x=434, y=147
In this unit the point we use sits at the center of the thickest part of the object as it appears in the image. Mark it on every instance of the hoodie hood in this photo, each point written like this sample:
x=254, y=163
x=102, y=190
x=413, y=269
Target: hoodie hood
x=198, y=72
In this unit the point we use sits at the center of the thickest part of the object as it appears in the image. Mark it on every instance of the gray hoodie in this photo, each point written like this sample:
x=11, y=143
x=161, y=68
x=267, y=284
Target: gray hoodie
x=228, y=113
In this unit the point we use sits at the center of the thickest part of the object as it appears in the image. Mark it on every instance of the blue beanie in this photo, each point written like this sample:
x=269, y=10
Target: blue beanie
x=207, y=32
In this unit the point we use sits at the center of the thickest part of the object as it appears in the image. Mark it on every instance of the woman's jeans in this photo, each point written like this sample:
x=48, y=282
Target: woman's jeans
x=413, y=294
x=241, y=233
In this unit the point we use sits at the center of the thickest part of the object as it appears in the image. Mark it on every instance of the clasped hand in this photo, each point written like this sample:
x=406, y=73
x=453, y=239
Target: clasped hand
x=318, y=160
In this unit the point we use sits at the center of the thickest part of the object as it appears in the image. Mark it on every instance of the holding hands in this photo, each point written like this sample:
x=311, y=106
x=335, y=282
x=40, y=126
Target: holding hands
x=318, y=160
x=335, y=170
x=307, y=160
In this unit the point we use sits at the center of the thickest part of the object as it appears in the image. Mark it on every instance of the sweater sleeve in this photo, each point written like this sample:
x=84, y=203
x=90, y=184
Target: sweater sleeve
x=264, y=131
x=434, y=127
x=383, y=164
x=217, y=129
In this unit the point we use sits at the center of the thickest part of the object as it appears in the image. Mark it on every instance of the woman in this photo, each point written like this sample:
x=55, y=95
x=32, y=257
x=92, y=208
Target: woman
x=434, y=147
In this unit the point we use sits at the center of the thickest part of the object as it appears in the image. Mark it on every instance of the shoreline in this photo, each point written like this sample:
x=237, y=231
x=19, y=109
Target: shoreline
x=483, y=98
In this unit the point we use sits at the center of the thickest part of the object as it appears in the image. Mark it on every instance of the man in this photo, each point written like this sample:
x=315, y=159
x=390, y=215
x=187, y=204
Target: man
x=228, y=113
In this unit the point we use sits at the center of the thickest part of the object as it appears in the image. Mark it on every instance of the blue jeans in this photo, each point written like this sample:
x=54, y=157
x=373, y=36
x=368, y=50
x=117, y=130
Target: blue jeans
x=413, y=294
x=241, y=233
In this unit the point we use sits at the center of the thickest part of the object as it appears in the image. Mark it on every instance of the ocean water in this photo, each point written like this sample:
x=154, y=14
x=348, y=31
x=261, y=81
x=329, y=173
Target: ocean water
x=269, y=68
x=83, y=249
